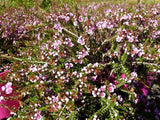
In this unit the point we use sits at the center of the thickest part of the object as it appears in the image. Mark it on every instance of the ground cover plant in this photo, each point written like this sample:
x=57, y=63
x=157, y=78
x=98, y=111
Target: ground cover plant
x=82, y=61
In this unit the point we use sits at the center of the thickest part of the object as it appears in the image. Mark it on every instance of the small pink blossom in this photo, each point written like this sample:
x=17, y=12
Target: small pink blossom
x=81, y=41
x=134, y=74
x=94, y=94
x=80, y=19
x=130, y=38
x=75, y=23
x=58, y=27
x=80, y=61
x=9, y=90
x=90, y=32
x=111, y=89
x=102, y=94
x=67, y=18
x=38, y=115
x=125, y=86
x=93, y=78
x=120, y=98
x=68, y=65
x=123, y=76
x=119, y=39
x=135, y=50
x=103, y=88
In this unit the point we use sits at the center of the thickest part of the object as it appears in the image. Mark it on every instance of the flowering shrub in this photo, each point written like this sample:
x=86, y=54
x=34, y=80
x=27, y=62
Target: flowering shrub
x=94, y=62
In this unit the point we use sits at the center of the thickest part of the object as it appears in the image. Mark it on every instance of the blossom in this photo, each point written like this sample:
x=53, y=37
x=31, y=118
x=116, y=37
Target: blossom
x=58, y=27
x=81, y=41
x=90, y=32
x=80, y=19
x=123, y=76
x=7, y=88
x=75, y=23
x=134, y=74
x=68, y=65
x=119, y=39
x=111, y=89
x=130, y=38
x=102, y=94
x=38, y=116
x=94, y=94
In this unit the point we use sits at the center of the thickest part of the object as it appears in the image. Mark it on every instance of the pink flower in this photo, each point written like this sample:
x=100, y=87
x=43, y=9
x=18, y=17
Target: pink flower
x=38, y=115
x=90, y=32
x=81, y=41
x=70, y=44
x=80, y=61
x=123, y=76
x=119, y=39
x=75, y=23
x=68, y=65
x=67, y=18
x=85, y=53
x=9, y=90
x=80, y=19
x=99, y=25
x=125, y=86
x=8, y=85
x=93, y=78
x=56, y=45
x=120, y=98
x=94, y=94
x=135, y=50
x=55, y=99
x=58, y=27
x=130, y=38
x=111, y=89
x=134, y=74
x=102, y=94
x=103, y=88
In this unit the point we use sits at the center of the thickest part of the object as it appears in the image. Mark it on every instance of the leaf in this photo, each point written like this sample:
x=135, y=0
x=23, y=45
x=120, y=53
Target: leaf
x=124, y=58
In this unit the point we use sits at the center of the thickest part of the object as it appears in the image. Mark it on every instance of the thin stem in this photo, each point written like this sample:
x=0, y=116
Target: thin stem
x=146, y=63
x=19, y=59
x=70, y=32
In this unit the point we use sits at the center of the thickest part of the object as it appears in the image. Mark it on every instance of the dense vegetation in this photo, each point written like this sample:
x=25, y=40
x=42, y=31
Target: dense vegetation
x=77, y=61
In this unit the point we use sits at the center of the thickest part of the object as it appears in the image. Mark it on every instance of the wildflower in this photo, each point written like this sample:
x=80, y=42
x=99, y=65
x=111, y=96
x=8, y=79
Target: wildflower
x=130, y=38
x=102, y=94
x=81, y=41
x=119, y=39
x=90, y=32
x=93, y=78
x=123, y=76
x=111, y=89
x=80, y=19
x=94, y=94
x=1, y=98
x=75, y=23
x=58, y=27
x=7, y=88
x=38, y=115
x=134, y=74
x=120, y=98
x=68, y=65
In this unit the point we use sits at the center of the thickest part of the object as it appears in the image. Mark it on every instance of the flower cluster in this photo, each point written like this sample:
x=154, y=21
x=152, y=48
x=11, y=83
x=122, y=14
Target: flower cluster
x=98, y=62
